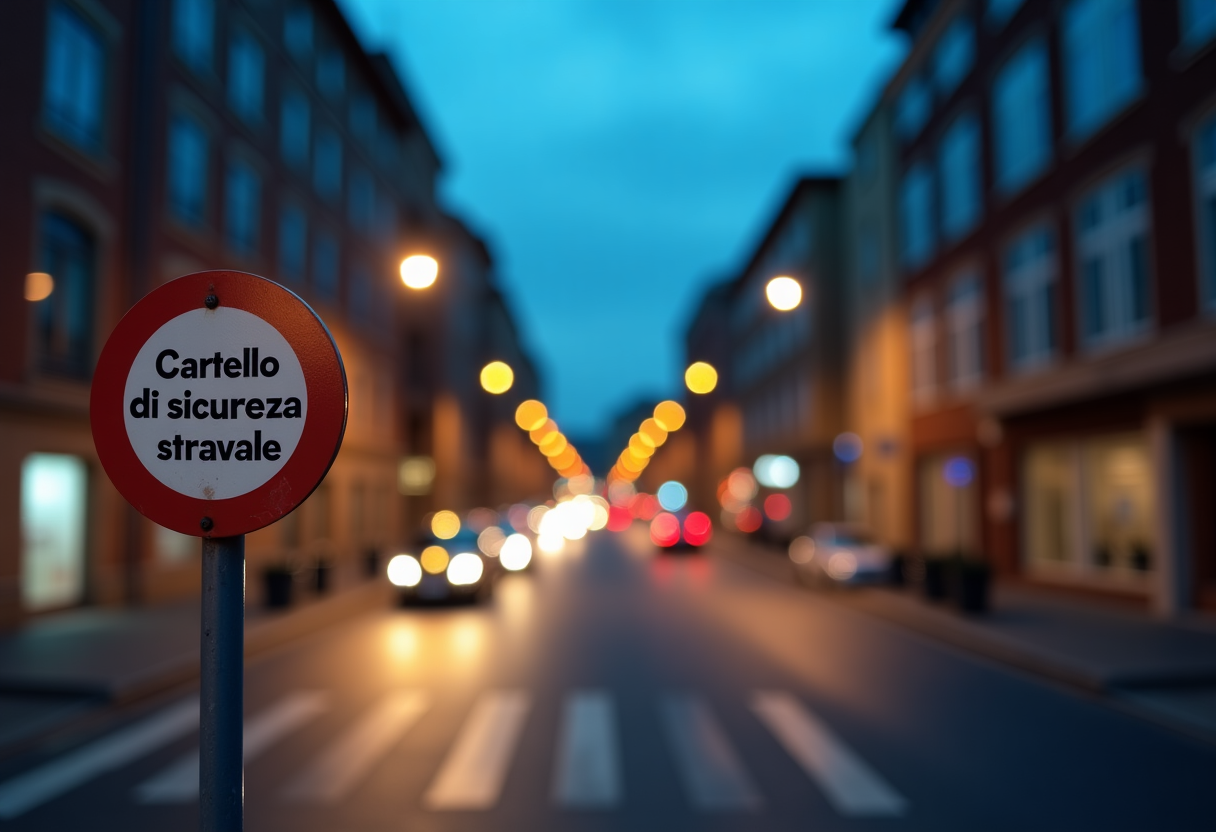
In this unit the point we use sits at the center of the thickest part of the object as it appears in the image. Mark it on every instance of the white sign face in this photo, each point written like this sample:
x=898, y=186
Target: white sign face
x=215, y=403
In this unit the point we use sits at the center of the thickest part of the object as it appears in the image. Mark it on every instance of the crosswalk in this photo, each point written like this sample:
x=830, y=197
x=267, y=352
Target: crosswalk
x=587, y=771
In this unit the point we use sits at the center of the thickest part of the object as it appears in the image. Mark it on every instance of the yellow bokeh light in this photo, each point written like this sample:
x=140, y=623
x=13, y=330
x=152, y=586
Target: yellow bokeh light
x=554, y=446
x=652, y=431
x=419, y=271
x=542, y=434
x=497, y=377
x=565, y=459
x=639, y=446
x=669, y=416
x=572, y=470
x=531, y=415
x=629, y=462
x=445, y=525
x=700, y=377
x=434, y=559
x=784, y=293
x=38, y=286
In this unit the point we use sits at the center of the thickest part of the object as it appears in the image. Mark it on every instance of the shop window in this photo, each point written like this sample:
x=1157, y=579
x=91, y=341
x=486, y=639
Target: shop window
x=1205, y=190
x=1198, y=21
x=246, y=76
x=1030, y=297
x=74, y=89
x=54, y=496
x=194, y=33
x=64, y=318
x=959, y=165
x=965, y=332
x=1101, y=61
x=293, y=242
x=1113, y=259
x=188, y=153
x=916, y=213
x=295, y=119
x=242, y=208
x=1021, y=118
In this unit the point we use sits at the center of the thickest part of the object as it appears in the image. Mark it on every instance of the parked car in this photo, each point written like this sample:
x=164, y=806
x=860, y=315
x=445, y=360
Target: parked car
x=840, y=553
x=444, y=571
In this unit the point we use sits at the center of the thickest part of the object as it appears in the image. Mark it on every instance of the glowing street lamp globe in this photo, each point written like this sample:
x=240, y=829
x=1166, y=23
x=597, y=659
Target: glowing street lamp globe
x=784, y=293
x=497, y=377
x=701, y=377
x=419, y=271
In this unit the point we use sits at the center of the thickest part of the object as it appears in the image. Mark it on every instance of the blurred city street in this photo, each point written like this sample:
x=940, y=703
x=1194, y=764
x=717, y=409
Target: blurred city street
x=618, y=687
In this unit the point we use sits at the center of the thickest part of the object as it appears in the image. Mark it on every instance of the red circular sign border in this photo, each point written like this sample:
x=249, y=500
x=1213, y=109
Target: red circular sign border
x=324, y=425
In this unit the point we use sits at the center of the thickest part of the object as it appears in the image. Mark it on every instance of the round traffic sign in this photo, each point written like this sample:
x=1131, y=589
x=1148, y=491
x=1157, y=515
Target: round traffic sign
x=218, y=404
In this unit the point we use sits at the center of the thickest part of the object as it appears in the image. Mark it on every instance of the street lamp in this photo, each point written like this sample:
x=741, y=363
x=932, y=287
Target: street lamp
x=418, y=271
x=701, y=377
x=784, y=293
x=497, y=377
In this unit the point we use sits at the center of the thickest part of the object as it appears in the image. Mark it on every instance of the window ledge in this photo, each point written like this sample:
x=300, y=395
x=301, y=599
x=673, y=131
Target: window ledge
x=101, y=165
x=1075, y=141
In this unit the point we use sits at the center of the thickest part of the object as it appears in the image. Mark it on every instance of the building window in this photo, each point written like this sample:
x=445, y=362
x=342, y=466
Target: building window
x=242, y=207
x=386, y=217
x=960, y=172
x=1112, y=252
x=363, y=120
x=293, y=242
x=1021, y=118
x=361, y=200
x=54, y=513
x=359, y=300
x=194, y=32
x=246, y=71
x=75, y=78
x=1198, y=21
x=295, y=119
x=325, y=266
x=331, y=73
x=924, y=351
x=1030, y=297
x=64, y=319
x=1101, y=61
x=953, y=56
x=913, y=108
x=965, y=332
x=298, y=31
x=868, y=253
x=918, y=236
x=998, y=12
x=327, y=163
x=187, y=169
x=1205, y=190
x=1089, y=508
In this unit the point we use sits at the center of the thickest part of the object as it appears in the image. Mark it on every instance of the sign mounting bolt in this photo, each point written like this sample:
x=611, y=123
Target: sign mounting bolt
x=211, y=301
x=206, y=524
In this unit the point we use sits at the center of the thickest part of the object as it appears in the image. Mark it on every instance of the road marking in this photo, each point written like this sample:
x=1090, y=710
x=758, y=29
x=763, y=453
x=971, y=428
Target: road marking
x=473, y=773
x=714, y=779
x=345, y=763
x=851, y=786
x=47, y=782
x=588, y=773
x=179, y=782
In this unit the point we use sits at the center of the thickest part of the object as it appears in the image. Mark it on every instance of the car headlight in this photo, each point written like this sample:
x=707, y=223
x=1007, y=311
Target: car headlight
x=404, y=570
x=464, y=569
x=842, y=565
x=515, y=553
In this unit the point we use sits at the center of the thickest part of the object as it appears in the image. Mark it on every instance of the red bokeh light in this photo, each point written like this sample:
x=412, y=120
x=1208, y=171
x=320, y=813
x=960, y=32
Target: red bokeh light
x=645, y=506
x=777, y=507
x=665, y=529
x=619, y=519
x=749, y=519
x=697, y=529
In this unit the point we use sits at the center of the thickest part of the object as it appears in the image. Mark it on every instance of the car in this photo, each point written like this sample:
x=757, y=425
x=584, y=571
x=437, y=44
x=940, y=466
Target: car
x=681, y=530
x=444, y=571
x=840, y=554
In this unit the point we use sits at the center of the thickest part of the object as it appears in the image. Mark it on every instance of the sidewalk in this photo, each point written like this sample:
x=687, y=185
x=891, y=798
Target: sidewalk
x=57, y=667
x=1167, y=667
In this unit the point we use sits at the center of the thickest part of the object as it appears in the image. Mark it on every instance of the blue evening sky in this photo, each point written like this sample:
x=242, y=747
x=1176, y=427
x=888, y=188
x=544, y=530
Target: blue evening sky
x=620, y=155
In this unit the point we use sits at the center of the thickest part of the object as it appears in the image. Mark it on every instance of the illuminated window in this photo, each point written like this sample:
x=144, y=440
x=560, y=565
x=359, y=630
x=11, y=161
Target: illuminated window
x=331, y=73
x=293, y=242
x=1205, y=190
x=194, y=32
x=54, y=495
x=246, y=76
x=913, y=108
x=1112, y=259
x=965, y=331
x=242, y=207
x=75, y=78
x=1021, y=118
x=1198, y=21
x=1030, y=291
x=327, y=163
x=916, y=212
x=188, y=154
x=953, y=56
x=1101, y=61
x=298, y=31
x=295, y=120
x=948, y=498
x=959, y=164
x=64, y=319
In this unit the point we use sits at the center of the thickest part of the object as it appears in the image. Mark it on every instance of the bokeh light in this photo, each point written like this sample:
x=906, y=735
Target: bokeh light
x=434, y=559
x=619, y=519
x=639, y=447
x=535, y=515
x=445, y=524
x=490, y=541
x=700, y=377
x=742, y=485
x=403, y=570
x=651, y=430
x=847, y=447
x=958, y=472
x=672, y=495
x=419, y=271
x=748, y=520
x=776, y=471
x=38, y=286
x=665, y=529
x=516, y=552
x=697, y=529
x=465, y=569
x=541, y=434
x=669, y=416
x=497, y=377
x=802, y=549
x=784, y=293
x=530, y=415
x=777, y=507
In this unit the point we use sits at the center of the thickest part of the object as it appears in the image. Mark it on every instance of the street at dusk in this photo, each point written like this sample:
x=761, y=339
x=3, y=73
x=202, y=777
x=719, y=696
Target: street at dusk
x=565, y=415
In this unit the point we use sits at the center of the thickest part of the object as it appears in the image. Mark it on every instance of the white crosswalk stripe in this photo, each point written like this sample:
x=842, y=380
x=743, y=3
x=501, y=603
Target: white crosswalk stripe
x=179, y=782
x=473, y=773
x=587, y=772
x=348, y=761
x=714, y=778
x=851, y=786
x=49, y=781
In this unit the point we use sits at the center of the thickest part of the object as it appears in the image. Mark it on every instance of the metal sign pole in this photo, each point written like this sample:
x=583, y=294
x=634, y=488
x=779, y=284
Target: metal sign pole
x=220, y=773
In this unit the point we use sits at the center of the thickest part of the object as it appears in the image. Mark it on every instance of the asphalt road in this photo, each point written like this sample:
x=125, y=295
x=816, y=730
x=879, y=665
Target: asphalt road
x=615, y=690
